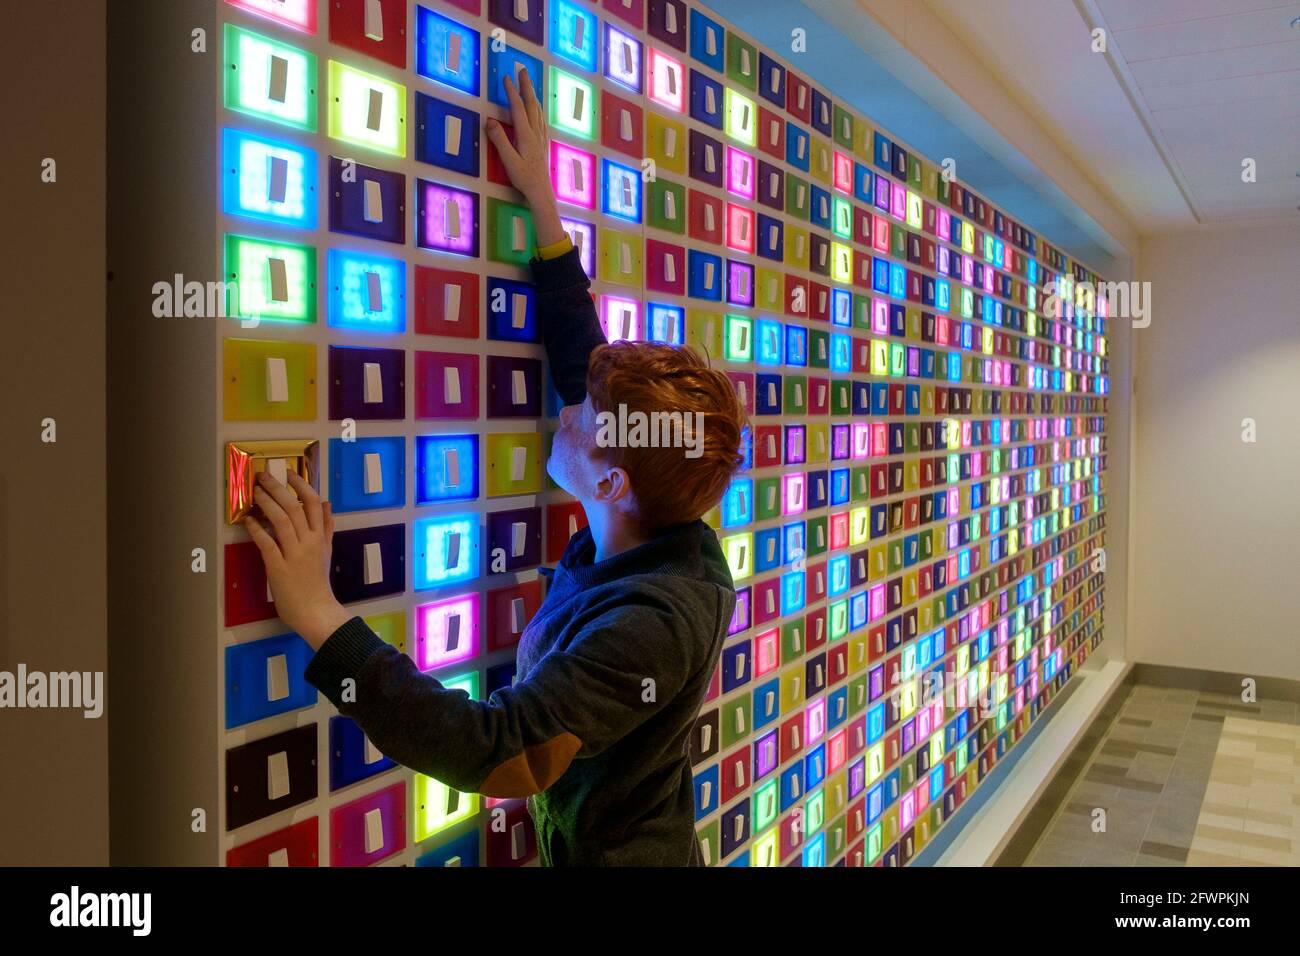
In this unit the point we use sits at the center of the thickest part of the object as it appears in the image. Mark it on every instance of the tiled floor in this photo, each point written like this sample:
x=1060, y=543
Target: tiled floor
x=1184, y=778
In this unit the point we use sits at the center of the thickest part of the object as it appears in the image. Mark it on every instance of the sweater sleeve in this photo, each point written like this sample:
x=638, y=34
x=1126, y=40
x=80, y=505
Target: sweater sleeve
x=568, y=320
x=577, y=701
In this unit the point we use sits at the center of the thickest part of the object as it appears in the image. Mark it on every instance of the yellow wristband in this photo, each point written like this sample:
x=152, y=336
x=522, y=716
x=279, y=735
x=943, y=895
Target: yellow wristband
x=555, y=249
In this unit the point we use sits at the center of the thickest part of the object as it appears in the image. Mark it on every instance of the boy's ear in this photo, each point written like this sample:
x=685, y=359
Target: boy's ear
x=618, y=484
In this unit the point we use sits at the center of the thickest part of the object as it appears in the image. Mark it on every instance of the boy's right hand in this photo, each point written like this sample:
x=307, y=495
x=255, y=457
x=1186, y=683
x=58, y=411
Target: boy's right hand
x=527, y=160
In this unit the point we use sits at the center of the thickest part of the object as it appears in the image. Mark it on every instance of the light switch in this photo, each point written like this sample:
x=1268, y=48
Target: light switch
x=374, y=830
x=278, y=857
x=453, y=549
x=451, y=465
x=624, y=258
x=451, y=218
x=451, y=633
x=706, y=737
x=518, y=462
x=518, y=840
x=518, y=387
x=518, y=310
x=670, y=19
x=771, y=399
x=374, y=202
x=277, y=178
x=451, y=385
x=517, y=611
x=279, y=279
x=279, y=469
x=518, y=234
x=374, y=474
x=706, y=791
x=371, y=753
x=277, y=775
x=374, y=383
x=453, y=52
x=277, y=380
x=625, y=130
x=277, y=678
x=740, y=721
x=518, y=538
x=278, y=83
x=710, y=43
x=670, y=141
x=710, y=164
x=521, y=11
x=451, y=302
x=578, y=175
x=374, y=21
x=710, y=223
x=738, y=778
x=573, y=525
x=375, y=110
x=710, y=102
x=579, y=99
x=670, y=205
x=374, y=292
x=451, y=135
x=670, y=268
x=742, y=393
x=374, y=557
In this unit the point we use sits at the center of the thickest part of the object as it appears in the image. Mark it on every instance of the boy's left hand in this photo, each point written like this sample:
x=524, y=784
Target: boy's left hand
x=297, y=559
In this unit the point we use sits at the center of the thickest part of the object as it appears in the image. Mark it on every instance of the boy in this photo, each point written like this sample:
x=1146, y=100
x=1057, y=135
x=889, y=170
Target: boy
x=612, y=670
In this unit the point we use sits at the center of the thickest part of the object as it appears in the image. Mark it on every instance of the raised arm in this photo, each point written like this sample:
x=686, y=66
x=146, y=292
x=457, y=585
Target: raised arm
x=567, y=316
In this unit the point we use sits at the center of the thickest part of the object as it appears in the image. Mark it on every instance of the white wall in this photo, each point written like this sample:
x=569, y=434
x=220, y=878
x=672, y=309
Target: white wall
x=1216, y=536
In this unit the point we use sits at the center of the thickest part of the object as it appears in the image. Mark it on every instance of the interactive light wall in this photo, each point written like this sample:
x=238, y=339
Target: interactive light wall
x=925, y=483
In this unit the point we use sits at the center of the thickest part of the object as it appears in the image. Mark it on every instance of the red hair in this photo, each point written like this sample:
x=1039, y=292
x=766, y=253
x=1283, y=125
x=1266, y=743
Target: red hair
x=669, y=487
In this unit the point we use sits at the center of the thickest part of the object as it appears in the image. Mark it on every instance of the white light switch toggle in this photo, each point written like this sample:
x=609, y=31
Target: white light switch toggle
x=451, y=302
x=278, y=857
x=279, y=279
x=277, y=87
x=518, y=234
x=374, y=557
x=521, y=11
x=374, y=21
x=518, y=387
x=451, y=219
x=371, y=753
x=453, y=52
x=277, y=775
x=517, y=611
x=375, y=110
x=277, y=178
x=451, y=135
x=277, y=678
x=578, y=100
x=451, y=385
x=451, y=465
x=374, y=383
x=374, y=830
x=518, y=538
x=518, y=462
x=374, y=474
x=279, y=469
x=518, y=310
x=625, y=126
x=374, y=292
x=453, y=549
x=670, y=19
x=277, y=380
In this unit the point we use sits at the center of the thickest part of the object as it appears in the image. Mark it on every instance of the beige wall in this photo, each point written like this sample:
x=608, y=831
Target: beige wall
x=1217, y=520
x=54, y=763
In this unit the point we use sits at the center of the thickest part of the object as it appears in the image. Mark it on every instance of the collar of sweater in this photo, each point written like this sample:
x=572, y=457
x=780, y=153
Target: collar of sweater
x=675, y=550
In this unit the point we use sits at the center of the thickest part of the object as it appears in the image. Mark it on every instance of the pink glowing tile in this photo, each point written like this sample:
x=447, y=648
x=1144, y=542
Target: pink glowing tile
x=740, y=173
x=446, y=631
x=620, y=318
x=573, y=174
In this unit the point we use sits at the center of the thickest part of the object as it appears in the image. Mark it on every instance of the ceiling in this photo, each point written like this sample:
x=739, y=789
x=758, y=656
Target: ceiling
x=1187, y=90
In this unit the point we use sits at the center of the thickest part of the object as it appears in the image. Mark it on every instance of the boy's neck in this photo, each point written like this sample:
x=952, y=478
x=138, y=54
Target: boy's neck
x=612, y=534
